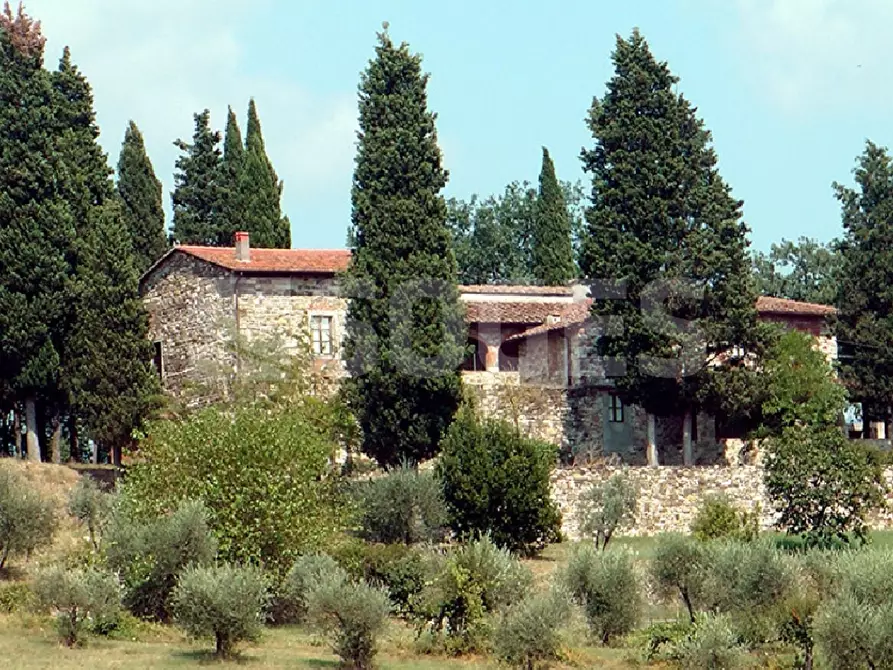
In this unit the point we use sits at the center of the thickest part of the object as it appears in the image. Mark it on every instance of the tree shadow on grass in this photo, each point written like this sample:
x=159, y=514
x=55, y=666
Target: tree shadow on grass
x=208, y=657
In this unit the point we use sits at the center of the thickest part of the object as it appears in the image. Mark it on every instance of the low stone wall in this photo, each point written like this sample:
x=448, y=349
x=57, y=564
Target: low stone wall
x=669, y=496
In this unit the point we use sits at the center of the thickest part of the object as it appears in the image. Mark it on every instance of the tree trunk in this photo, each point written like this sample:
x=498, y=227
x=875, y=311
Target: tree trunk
x=652, y=441
x=17, y=429
x=94, y=456
x=31, y=441
x=74, y=454
x=56, y=441
x=687, y=458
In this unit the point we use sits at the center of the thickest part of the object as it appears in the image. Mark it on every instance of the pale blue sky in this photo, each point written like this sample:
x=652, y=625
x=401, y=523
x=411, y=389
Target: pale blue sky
x=790, y=88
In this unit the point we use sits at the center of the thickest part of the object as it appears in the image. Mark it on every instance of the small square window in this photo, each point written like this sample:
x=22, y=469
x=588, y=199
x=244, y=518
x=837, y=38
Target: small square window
x=615, y=409
x=321, y=333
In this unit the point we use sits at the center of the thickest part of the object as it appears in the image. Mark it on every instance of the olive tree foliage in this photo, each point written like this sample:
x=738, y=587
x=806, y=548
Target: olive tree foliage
x=27, y=520
x=78, y=597
x=225, y=602
x=92, y=506
x=529, y=634
x=822, y=484
x=308, y=572
x=606, y=507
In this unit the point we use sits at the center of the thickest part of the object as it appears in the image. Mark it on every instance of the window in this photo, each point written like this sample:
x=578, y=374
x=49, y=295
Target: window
x=321, y=330
x=615, y=410
x=158, y=360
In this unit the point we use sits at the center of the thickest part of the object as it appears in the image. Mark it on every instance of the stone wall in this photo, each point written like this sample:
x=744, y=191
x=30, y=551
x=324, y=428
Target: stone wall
x=669, y=497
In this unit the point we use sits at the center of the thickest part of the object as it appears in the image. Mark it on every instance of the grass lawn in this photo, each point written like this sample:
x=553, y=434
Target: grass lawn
x=30, y=643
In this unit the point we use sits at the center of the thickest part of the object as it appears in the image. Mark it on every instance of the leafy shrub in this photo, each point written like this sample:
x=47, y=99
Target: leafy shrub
x=746, y=577
x=403, y=506
x=679, y=569
x=306, y=573
x=77, y=597
x=265, y=477
x=474, y=581
x=496, y=482
x=607, y=507
x=27, y=521
x=660, y=640
x=855, y=634
x=92, y=506
x=399, y=569
x=15, y=596
x=150, y=556
x=867, y=575
x=529, y=634
x=225, y=602
x=718, y=519
x=608, y=587
x=712, y=645
x=353, y=614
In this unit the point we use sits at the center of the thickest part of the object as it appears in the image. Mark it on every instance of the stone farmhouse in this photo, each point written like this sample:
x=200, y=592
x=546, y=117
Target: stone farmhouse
x=527, y=342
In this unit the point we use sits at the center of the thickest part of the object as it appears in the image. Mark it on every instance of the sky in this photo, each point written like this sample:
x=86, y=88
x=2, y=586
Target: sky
x=791, y=89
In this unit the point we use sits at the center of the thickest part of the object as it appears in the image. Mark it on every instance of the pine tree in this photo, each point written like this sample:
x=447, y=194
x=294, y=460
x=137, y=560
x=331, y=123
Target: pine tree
x=261, y=191
x=37, y=225
x=197, y=189
x=865, y=306
x=141, y=194
x=552, y=253
x=403, y=356
x=661, y=213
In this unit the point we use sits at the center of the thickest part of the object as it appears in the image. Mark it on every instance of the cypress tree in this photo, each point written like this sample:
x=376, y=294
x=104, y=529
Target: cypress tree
x=552, y=253
x=232, y=166
x=261, y=191
x=661, y=212
x=197, y=189
x=141, y=193
x=403, y=350
x=37, y=226
x=865, y=306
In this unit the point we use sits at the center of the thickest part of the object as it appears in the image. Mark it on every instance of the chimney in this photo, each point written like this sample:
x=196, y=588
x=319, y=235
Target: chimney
x=243, y=247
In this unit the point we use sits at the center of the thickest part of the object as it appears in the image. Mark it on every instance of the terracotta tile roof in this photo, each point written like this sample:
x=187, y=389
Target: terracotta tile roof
x=782, y=306
x=502, y=289
x=273, y=260
x=512, y=312
x=573, y=316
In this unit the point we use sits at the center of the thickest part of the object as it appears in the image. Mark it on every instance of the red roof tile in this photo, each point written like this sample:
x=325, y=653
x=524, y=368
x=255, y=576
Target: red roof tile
x=782, y=306
x=273, y=260
x=513, y=289
x=512, y=312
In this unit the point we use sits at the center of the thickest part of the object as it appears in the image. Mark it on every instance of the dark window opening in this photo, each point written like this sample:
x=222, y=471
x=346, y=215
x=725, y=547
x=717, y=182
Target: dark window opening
x=475, y=357
x=615, y=409
x=158, y=360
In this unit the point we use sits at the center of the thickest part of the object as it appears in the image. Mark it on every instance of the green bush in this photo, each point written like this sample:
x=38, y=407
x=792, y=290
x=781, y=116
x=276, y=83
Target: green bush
x=712, y=645
x=718, y=519
x=473, y=582
x=403, y=506
x=747, y=577
x=306, y=573
x=496, y=482
x=660, y=640
x=353, y=614
x=92, y=506
x=399, y=569
x=679, y=569
x=27, y=521
x=854, y=634
x=608, y=587
x=15, y=596
x=266, y=478
x=151, y=556
x=528, y=635
x=607, y=507
x=867, y=575
x=78, y=597
x=225, y=602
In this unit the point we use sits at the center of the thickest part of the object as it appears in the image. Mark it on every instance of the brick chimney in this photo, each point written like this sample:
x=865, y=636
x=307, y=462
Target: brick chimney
x=243, y=248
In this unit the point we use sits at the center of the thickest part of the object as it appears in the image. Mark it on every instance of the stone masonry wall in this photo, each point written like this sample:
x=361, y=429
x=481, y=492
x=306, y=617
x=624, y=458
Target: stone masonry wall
x=669, y=497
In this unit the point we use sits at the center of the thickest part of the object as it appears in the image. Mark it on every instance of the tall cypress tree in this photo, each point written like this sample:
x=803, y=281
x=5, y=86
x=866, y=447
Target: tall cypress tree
x=261, y=191
x=141, y=194
x=864, y=303
x=661, y=212
x=403, y=349
x=232, y=166
x=37, y=226
x=552, y=253
x=197, y=189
